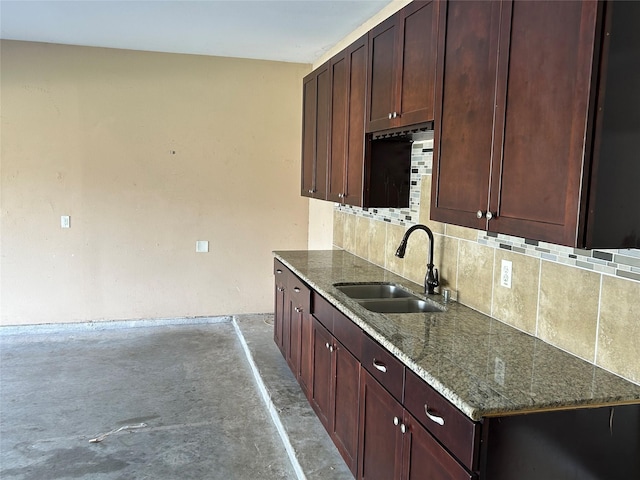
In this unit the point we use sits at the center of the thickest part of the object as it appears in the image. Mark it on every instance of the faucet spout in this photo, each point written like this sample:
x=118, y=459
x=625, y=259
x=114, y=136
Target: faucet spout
x=431, y=279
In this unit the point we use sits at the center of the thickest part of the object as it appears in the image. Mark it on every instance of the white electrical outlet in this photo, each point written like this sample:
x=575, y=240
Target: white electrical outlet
x=65, y=221
x=202, y=246
x=498, y=371
x=505, y=273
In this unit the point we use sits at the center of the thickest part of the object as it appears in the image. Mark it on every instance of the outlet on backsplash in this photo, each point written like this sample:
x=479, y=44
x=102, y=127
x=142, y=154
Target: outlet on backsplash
x=505, y=275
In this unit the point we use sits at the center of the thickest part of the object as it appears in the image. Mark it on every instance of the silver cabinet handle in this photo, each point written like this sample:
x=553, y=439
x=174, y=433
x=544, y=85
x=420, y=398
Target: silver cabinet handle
x=390, y=116
x=310, y=191
x=489, y=215
x=395, y=115
x=278, y=271
x=331, y=348
x=298, y=309
x=396, y=421
x=296, y=289
x=432, y=417
x=403, y=428
x=380, y=366
x=281, y=289
x=479, y=214
x=327, y=345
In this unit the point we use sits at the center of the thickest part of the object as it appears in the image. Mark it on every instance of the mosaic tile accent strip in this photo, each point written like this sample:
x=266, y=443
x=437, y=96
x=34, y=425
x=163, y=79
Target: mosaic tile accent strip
x=624, y=263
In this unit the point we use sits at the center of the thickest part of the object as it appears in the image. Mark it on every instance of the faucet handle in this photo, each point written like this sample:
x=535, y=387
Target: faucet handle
x=436, y=277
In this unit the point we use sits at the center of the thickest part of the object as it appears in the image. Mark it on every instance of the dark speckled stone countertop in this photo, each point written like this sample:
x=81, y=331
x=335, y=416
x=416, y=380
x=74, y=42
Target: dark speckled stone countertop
x=455, y=351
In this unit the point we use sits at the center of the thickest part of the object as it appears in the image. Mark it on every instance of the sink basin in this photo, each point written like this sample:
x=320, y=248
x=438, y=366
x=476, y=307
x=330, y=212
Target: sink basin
x=373, y=290
x=400, y=305
x=387, y=298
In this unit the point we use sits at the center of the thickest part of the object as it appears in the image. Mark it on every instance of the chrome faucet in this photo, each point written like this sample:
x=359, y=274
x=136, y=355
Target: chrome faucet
x=431, y=279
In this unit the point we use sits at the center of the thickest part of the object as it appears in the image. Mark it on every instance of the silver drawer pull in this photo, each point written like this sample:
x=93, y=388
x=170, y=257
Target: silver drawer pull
x=278, y=271
x=296, y=289
x=432, y=417
x=380, y=366
x=298, y=309
x=281, y=289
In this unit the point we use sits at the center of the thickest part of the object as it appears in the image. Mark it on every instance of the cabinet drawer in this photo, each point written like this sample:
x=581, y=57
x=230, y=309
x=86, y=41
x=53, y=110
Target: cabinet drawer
x=279, y=270
x=323, y=311
x=347, y=333
x=457, y=432
x=383, y=366
x=300, y=294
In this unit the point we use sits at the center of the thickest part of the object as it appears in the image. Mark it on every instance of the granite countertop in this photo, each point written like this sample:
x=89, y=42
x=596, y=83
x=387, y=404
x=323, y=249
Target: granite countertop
x=456, y=351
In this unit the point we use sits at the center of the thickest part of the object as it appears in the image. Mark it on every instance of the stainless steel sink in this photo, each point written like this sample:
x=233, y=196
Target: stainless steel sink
x=373, y=290
x=400, y=305
x=387, y=298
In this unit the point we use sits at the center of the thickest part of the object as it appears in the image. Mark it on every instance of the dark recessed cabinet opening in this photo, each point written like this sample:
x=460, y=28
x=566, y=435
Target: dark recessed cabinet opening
x=389, y=172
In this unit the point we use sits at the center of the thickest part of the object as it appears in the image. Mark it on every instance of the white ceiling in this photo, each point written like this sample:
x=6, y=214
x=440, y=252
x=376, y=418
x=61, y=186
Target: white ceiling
x=285, y=30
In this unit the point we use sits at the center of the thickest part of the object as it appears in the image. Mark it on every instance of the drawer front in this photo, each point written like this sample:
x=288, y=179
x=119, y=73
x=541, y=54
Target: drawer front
x=279, y=270
x=383, y=366
x=300, y=294
x=347, y=333
x=323, y=311
x=457, y=432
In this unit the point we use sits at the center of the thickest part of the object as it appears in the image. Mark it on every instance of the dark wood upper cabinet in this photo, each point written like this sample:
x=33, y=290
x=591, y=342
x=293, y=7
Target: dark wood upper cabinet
x=347, y=144
x=401, y=69
x=315, y=132
x=466, y=78
x=522, y=108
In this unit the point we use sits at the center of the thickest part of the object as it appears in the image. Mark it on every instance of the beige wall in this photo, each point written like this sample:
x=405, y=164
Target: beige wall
x=147, y=153
x=587, y=313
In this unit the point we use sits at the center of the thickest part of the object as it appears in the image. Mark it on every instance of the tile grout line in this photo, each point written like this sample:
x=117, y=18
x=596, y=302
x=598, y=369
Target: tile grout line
x=595, y=350
x=264, y=393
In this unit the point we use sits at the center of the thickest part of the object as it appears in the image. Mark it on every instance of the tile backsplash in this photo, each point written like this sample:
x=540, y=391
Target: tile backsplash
x=586, y=302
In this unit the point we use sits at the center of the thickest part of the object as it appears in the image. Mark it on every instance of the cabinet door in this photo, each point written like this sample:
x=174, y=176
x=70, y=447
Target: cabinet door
x=309, y=109
x=424, y=457
x=544, y=88
x=322, y=373
x=305, y=372
x=380, y=74
x=417, y=65
x=293, y=324
x=466, y=78
x=354, y=188
x=339, y=68
x=380, y=442
x=345, y=397
x=281, y=304
x=299, y=302
x=315, y=133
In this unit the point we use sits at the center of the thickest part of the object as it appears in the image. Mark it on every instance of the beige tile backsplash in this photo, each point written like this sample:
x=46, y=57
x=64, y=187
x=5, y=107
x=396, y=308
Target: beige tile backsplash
x=587, y=313
x=568, y=308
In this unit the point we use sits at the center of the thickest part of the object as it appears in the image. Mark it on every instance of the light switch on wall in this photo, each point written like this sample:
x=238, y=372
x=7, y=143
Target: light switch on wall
x=65, y=221
x=202, y=246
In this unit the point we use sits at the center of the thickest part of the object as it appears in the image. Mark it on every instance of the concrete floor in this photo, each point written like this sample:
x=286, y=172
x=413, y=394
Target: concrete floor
x=193, y=388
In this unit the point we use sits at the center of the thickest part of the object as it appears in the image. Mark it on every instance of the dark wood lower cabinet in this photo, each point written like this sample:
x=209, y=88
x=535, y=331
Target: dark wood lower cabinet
x=345, y=398
x=394, y=445
x=322, y=373
x=335, y=393
x=414, y=433
x=380, y=453
x=425, y=458
x=281, y=274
